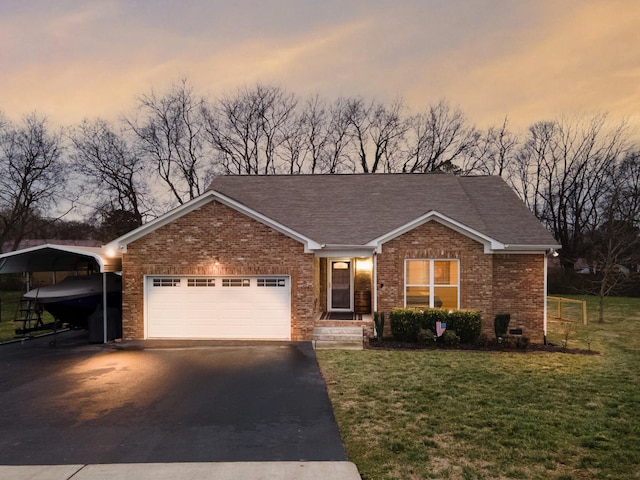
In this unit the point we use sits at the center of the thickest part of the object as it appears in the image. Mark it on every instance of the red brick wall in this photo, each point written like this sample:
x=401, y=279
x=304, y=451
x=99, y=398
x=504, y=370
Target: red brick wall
x=488, y=283
x=519, y=290
x=192, y=244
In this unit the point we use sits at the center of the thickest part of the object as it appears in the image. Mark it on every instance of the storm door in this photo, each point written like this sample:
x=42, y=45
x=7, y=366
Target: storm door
x=340, y=272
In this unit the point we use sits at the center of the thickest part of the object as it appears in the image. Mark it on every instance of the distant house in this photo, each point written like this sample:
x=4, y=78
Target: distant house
x=272, y=257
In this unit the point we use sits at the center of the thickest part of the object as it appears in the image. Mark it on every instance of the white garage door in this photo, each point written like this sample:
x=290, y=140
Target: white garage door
x=250, y=307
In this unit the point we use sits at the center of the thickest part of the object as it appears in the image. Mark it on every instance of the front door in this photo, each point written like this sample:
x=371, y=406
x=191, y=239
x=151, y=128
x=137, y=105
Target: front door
x=340, y=291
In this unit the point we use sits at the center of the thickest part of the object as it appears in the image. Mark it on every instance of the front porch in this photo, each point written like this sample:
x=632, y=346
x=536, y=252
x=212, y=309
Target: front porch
x=346, y=302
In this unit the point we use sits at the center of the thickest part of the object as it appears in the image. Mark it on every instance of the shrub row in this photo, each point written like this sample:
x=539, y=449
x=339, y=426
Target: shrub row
x=410, y=325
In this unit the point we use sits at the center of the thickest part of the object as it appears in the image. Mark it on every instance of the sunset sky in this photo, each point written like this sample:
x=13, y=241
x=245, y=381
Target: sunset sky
x=528, y=59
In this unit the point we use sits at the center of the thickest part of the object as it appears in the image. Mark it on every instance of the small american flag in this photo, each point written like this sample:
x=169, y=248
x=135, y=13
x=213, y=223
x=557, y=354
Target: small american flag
x=440, y=328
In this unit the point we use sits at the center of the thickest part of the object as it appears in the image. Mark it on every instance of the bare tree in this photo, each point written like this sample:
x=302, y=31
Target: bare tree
x=32, y=176
x=439, y=140
x=386, y=131
x=314, y=129
x=494, y=153
x=613, y=246
x=293, y=149
x=170, y=134
x=337, y=159
x=375, y=131
x=564, y=172
x=248, y=130
x=111, y=167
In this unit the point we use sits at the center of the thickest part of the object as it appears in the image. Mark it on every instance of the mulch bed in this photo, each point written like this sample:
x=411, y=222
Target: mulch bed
x=390, y=344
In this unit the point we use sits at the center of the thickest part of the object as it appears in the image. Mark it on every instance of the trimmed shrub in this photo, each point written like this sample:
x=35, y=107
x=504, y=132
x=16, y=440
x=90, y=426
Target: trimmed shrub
x=501, y=324
x=405, y=324
x=466, y=324
x=378, y=320
x=432, y=315
x=409, y=325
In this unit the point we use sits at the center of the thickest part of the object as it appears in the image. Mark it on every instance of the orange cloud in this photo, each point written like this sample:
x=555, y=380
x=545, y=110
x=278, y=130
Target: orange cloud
x=585, y=58
x=575, y=54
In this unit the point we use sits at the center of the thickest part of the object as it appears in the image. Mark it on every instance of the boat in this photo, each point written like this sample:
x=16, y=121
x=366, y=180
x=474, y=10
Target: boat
x=75, y=298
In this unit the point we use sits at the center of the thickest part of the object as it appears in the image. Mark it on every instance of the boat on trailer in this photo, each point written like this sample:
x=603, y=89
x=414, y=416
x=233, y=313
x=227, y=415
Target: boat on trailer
x=75, y=298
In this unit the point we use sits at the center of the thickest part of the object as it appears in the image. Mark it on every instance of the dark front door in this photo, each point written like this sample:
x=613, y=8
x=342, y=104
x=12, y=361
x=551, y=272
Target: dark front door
x=341, y=284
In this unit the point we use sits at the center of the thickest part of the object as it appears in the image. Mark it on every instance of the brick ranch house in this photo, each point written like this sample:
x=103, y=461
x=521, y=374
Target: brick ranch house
x=271, y=257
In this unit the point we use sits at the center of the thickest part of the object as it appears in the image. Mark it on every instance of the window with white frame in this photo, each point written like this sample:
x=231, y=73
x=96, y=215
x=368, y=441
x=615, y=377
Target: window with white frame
x=431, y=283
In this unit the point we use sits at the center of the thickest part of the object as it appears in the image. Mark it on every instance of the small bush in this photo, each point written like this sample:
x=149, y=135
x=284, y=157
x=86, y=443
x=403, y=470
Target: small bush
x=450, y=338
x=509, y=342
x=405, y=324
x=432, y=315
x=522, y=342
x=378, y=320
x=466, y=324
x=484, y=340
x=425, y=336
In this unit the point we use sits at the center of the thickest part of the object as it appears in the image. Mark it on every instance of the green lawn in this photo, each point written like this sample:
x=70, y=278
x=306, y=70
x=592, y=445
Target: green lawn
x=9, y=304
x=477, y=415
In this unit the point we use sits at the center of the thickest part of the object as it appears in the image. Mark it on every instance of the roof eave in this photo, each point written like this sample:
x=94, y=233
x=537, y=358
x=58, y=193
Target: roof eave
x=340, y=250
x=490, y=244
x=122, y=242
x=538, y=248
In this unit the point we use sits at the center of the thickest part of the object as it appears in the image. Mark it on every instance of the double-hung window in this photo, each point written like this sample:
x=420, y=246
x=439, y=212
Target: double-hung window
x=431, y=283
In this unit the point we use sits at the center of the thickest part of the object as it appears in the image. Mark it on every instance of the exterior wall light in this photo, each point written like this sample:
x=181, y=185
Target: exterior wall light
x=364, y=264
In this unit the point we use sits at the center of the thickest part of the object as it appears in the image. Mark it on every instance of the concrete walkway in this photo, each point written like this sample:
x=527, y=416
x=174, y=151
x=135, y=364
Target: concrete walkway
x=187, y=471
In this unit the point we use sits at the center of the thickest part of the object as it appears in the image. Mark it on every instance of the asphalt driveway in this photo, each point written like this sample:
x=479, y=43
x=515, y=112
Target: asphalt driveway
x=150, y=402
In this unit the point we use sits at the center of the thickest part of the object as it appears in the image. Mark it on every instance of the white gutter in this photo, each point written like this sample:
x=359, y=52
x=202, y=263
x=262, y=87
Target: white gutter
x=375, y=283
x=334, y=250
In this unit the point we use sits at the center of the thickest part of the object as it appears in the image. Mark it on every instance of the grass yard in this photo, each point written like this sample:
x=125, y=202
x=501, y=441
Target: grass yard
x=479, y=415
x=9, y=303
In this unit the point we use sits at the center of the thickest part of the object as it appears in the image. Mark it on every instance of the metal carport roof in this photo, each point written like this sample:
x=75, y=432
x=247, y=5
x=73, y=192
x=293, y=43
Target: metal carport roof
x=57, y=258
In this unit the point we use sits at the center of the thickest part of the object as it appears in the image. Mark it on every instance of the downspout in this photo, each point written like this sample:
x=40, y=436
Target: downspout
x=545, y=300
x=375, y=288
x=104, y=307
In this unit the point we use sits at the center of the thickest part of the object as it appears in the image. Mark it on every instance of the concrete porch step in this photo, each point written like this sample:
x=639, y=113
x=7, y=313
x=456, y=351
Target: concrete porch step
x=333, y=330
x=336, y=345
x=342, y=338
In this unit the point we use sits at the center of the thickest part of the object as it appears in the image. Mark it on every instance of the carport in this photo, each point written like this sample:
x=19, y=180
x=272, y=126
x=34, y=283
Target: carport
x=61, y=258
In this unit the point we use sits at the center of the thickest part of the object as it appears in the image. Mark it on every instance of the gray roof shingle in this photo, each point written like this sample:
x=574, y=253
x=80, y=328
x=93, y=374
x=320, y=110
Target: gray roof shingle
x=355, y=209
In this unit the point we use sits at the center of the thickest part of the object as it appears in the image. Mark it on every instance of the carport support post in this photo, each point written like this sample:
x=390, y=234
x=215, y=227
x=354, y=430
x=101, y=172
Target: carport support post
x=104, y=307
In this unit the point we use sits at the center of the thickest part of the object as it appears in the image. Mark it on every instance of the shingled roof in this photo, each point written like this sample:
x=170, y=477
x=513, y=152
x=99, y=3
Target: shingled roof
x=357, y=209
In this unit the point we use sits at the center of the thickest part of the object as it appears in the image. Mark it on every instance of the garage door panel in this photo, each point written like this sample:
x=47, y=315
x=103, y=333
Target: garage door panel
x=222, y=330
x=218, y=307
